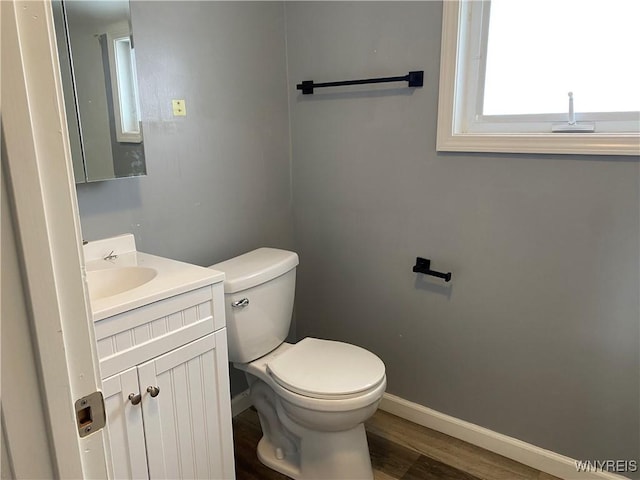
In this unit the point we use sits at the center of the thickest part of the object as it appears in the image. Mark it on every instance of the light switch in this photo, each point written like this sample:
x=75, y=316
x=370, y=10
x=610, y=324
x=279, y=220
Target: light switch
x=179, y=108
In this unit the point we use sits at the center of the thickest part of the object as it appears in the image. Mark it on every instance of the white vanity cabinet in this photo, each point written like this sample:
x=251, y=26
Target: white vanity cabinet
x=166, y=388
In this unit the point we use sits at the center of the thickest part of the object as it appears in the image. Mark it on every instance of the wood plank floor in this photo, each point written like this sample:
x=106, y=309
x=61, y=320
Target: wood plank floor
x=400, y=450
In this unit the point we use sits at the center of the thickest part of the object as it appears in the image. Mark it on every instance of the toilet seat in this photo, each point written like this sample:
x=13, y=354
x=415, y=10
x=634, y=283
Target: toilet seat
x=326, y=369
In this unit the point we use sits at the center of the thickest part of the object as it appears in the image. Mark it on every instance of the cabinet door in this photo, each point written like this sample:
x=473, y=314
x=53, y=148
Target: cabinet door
x=188, y=424
x=125, y=427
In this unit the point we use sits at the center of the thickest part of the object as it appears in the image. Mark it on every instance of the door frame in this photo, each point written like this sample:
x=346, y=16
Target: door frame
x=41, y=189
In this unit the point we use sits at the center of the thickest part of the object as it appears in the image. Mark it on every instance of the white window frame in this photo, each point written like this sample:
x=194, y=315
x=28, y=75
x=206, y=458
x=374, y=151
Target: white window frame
x=455, y=78
x=124, y=85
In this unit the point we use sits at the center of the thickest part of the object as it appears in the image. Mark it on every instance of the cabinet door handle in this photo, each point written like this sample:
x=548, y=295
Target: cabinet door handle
x=135, y=399
x=153, y=391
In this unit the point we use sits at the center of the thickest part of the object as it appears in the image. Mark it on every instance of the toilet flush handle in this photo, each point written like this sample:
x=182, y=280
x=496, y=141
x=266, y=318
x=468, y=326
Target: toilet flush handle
x=240, y=303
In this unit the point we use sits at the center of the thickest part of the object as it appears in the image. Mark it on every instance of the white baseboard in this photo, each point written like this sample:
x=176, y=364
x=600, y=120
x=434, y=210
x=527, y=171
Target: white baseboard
x=240, y=403
x=535, y=457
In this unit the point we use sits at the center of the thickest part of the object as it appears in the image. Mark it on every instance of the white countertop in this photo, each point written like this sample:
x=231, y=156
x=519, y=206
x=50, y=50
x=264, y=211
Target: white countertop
x=173, y=277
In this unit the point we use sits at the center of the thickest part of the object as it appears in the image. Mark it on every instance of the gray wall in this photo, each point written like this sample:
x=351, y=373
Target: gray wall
x=218, y=179
x=538, y=336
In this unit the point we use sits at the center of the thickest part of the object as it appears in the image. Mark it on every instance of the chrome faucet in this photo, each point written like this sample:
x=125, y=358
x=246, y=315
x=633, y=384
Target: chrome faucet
x=111, y=256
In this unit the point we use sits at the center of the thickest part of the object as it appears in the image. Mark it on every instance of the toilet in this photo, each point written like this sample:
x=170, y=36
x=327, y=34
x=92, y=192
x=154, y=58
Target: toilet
x=312, y=397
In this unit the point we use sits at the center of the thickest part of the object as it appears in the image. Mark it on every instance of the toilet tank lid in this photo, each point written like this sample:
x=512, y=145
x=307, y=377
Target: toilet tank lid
x=255, y=267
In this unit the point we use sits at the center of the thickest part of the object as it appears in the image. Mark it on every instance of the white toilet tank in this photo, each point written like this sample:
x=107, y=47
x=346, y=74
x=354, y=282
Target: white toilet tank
x=259, y=289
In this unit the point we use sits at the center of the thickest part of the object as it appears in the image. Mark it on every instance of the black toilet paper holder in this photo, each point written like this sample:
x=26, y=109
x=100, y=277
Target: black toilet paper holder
x=423, y=265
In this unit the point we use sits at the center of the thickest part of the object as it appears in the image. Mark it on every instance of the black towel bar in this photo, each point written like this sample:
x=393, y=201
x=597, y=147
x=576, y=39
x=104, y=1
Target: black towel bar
x=415, y=79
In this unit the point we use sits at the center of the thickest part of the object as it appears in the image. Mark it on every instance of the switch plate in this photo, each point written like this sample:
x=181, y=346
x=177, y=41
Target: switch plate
x=179, y=108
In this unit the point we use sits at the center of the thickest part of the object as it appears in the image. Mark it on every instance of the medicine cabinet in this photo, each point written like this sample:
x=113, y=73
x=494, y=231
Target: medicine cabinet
x=98, y=69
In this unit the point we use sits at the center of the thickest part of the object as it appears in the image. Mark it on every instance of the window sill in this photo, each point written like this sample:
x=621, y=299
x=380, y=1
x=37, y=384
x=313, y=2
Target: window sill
x=558, y=143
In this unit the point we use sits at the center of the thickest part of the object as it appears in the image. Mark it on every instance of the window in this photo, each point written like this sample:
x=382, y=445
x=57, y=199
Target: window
x=540, y=77
x=124, y=84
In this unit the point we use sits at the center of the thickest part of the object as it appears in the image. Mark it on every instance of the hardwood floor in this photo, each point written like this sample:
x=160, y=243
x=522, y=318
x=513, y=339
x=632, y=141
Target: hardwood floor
x=400, y=450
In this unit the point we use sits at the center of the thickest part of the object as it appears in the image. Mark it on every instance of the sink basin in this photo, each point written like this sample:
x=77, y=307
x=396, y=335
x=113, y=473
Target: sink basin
x=112, y=281
x=121, y=279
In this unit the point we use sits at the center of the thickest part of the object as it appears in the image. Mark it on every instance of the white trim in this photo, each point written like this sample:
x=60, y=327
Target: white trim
x=117, y=88
x=559, y=143
x=535, y=457
x=46, y=213
x=240, y=403
x=450, y=138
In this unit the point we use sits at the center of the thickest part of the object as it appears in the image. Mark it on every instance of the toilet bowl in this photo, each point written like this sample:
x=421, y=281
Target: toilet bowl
x=316, y=434
x=312, y=397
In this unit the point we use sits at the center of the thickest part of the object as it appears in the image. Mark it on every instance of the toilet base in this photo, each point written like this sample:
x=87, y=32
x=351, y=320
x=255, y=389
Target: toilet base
x=342, y=455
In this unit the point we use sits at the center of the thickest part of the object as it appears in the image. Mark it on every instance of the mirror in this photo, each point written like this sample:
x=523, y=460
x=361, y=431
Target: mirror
x=97, y=63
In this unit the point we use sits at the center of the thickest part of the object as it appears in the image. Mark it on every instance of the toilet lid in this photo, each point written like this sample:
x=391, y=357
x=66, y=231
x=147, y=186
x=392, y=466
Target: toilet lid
x=326, y=369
